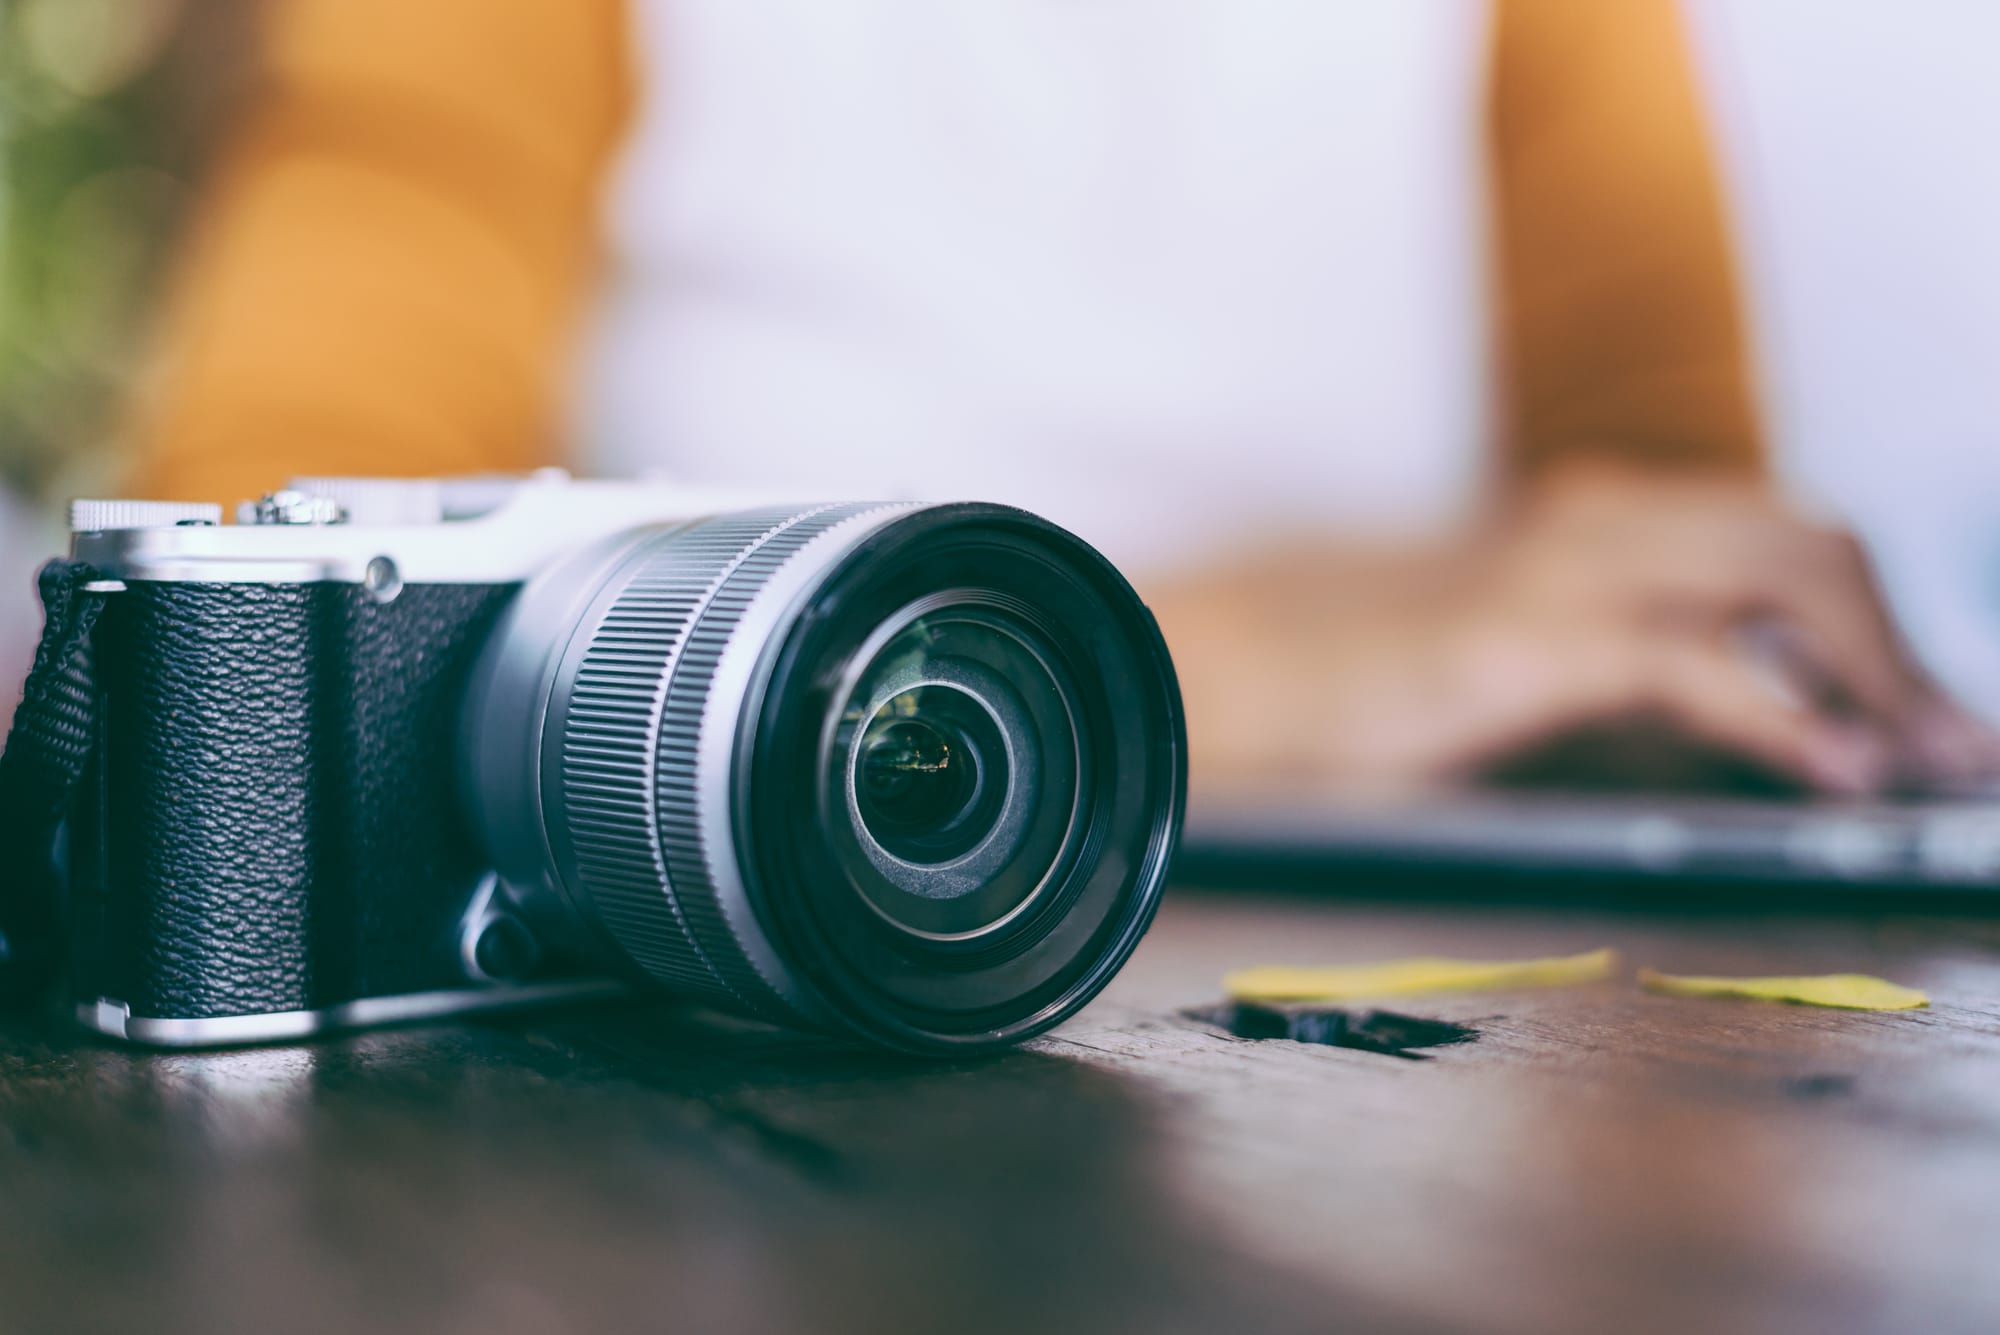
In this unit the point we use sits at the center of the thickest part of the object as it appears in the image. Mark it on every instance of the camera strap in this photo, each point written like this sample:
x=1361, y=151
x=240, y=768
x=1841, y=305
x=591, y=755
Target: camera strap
x=47, y=749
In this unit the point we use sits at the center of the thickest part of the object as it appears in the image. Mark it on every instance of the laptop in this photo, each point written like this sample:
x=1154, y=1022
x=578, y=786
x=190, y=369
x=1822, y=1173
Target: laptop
x=1474, y=840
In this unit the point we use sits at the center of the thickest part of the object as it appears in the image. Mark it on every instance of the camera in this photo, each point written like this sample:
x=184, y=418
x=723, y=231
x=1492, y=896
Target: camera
x=392, y=749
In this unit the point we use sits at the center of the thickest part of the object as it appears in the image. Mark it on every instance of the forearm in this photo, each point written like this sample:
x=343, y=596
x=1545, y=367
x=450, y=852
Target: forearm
x=1620, y=324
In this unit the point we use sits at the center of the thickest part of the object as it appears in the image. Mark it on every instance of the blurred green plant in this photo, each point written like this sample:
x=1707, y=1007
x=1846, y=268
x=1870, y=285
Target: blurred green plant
x=104, y=108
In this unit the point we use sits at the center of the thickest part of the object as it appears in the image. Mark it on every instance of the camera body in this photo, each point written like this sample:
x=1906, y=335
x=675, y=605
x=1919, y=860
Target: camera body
x=387, y=750
x=271, y=840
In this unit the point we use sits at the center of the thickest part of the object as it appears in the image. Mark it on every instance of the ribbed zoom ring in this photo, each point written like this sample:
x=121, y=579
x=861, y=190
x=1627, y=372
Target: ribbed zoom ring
x=631, y=740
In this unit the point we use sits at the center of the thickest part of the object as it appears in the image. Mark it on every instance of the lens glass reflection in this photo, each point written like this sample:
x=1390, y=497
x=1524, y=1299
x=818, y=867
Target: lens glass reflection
x=932, y=774
x=956, y=762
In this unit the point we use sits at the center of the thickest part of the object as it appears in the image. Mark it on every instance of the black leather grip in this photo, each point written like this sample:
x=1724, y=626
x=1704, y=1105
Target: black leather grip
x=273, y=822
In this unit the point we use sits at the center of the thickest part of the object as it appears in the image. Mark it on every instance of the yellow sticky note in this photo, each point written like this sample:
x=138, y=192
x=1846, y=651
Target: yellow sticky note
x=1408, y=977
x=1844, y=991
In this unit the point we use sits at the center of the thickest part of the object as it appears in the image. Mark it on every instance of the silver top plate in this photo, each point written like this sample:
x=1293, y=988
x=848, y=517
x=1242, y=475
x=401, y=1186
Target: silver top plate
x=527, y=523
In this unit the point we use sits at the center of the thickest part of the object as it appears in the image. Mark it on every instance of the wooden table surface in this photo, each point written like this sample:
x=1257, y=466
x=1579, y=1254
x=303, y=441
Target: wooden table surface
x=1599, y=1159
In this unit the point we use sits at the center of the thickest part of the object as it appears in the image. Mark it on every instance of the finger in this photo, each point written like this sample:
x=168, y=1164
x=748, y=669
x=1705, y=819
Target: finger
x=1839, y=644
x=1716, y=697
x=1703, y=560
x=1947, y=747
x=1825, y=585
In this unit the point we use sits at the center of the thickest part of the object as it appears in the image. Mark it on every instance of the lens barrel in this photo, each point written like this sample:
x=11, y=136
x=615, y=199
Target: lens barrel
x=908, y=773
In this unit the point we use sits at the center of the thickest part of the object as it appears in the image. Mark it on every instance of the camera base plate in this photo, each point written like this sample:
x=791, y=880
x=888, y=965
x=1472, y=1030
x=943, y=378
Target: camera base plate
x=115, y=1018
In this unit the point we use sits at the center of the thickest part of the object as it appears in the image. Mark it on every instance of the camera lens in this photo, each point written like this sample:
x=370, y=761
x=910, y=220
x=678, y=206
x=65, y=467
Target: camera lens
x=908, y=773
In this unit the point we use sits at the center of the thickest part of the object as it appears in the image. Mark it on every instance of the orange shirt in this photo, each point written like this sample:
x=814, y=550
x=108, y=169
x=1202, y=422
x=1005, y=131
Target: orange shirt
x=475, y=136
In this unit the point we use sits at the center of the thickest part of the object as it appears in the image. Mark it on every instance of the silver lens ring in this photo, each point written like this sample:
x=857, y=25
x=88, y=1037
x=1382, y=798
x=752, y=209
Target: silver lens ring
x=612, y=687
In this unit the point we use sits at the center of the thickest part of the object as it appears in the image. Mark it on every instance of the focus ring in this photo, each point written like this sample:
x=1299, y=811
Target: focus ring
x=611, y=731
x=679, y=796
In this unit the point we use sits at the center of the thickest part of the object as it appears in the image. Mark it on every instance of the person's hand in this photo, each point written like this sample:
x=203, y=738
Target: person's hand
x=1699, y=609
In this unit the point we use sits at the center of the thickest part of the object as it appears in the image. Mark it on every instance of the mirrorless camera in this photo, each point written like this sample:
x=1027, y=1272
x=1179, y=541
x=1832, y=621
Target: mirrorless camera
x=388, y=749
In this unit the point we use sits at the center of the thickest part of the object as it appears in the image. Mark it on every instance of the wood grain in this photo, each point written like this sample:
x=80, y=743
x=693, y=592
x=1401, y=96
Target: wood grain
x=1599, y=1159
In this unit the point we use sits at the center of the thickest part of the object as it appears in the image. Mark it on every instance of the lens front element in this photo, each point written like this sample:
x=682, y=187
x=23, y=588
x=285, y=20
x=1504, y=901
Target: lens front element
x=952, y=776
x=965, y=780
x=930, y=776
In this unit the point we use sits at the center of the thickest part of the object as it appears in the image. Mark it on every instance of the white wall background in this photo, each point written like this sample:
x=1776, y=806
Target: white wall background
x=1862, y=138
